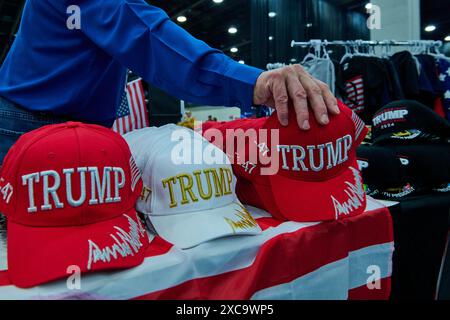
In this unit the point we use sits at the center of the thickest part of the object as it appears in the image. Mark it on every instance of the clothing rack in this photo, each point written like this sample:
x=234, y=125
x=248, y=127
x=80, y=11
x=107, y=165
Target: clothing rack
x=318, y=45
x=361, y=43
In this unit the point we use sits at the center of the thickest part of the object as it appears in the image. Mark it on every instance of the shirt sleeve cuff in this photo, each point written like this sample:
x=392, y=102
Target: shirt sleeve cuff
x=242, y=80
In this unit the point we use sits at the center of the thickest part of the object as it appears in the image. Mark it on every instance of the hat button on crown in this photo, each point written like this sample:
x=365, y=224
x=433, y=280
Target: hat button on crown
x=72, y=124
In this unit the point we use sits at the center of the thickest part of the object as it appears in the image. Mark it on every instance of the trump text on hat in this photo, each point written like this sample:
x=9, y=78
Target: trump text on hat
x=221, y=178
x=390, y=116
x=102, y=190
x=333, y=153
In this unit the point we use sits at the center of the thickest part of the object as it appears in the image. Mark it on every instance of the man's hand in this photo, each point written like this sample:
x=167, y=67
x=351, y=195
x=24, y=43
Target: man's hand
x=293, y=86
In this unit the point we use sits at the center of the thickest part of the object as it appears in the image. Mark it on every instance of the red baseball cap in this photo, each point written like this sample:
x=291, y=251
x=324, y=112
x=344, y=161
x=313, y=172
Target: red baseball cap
x=69, y=194
x=315, y=175
x=253, y=189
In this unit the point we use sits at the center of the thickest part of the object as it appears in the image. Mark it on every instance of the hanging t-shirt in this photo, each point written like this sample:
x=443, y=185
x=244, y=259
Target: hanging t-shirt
x=429, y=84
x=444, y=78
x=340, y=91
x=397, y=90
x=406, y=67
x=322, y=69
x=368, y=85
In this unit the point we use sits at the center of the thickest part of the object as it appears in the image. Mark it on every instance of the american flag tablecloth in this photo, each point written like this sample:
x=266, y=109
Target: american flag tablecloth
x=334, y=260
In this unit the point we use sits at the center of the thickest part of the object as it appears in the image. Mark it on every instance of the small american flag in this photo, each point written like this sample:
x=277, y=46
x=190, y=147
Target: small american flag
x=135, y=173
x=132, y=113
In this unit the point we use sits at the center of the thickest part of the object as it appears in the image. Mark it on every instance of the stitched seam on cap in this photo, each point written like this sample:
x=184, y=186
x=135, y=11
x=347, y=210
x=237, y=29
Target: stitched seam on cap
x=77, y=138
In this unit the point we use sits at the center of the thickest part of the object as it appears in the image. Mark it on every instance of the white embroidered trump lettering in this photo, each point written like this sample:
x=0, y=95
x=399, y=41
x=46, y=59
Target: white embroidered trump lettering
x=333, y=153
x=113, y=180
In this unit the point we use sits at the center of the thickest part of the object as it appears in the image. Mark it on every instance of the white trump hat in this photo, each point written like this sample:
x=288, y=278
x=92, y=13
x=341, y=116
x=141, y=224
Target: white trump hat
x=189, y=187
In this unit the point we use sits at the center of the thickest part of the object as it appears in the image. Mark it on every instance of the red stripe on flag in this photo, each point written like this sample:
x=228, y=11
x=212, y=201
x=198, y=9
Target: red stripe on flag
x=142, y=102
x=364, y=293
x=134, y=106
x=4, y=279
x=120, y=121
x=125, y=125
x=158, y=247
x=266, y=223
x=131, y=117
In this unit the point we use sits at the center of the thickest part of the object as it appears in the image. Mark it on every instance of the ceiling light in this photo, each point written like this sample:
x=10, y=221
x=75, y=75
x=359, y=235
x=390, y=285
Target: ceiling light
x=234, y=49
x=181, y=19
x=272, y=14
x=241, y=61
x=447, y=38
x=217, y=1
x=430, y=28
x=232, y=30
x=369, y=6
x=270, y=38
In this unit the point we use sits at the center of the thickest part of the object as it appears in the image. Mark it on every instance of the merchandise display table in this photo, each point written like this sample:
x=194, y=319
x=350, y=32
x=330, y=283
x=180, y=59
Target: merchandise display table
x=335, y=260
x=421, y=225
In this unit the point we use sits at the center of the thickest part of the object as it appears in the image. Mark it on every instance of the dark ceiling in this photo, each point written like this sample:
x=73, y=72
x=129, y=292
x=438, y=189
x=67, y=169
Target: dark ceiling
x=10, y=11
x=210, y=21
x=436, y=12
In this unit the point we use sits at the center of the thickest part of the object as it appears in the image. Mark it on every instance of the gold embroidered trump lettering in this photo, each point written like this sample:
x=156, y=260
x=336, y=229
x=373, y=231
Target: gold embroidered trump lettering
x=192, y=186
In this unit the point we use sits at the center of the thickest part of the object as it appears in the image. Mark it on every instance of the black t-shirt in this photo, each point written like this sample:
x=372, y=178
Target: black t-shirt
x=340, y=86
x=407, y=72
x=425, y=86
x=368, y=85
x=397, y=90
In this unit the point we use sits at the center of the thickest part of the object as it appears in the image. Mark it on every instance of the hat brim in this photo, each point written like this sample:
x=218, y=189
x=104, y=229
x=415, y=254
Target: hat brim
x=39, y=255
x=340, y=197
x=188, y=230
x=258, y=194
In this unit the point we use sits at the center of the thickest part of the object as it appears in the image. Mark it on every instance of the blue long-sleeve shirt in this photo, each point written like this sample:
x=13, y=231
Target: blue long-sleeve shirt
x=81, y=73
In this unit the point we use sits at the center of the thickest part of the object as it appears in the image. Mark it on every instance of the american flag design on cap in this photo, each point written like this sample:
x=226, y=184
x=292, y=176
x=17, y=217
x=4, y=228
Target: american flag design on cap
x=359, y=125
x=135, y=173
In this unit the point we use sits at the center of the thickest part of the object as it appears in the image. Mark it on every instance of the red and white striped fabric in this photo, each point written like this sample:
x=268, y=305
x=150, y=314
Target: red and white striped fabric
x=355, y=94
x=132, y=113
x=359, y=125
x=135, y=173
x=334, y=260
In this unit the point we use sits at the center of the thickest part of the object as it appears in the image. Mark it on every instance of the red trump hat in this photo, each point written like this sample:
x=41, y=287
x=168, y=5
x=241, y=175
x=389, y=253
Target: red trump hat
x=69, y=193
x=299, y=175
x=252, y=187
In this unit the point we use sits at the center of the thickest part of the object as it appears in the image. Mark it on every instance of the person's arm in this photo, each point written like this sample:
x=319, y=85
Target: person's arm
x=144, y=39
